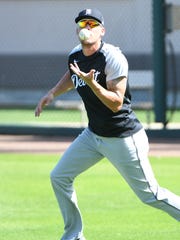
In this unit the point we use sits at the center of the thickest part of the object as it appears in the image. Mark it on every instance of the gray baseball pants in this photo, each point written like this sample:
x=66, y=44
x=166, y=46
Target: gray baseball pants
x=129, y=157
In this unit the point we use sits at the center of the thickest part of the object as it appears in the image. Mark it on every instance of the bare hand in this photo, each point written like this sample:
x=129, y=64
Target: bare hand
x=87, y=77
x=46, y=100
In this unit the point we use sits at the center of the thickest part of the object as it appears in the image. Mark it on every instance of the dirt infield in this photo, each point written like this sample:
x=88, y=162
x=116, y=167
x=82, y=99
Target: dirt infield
x=57, y=145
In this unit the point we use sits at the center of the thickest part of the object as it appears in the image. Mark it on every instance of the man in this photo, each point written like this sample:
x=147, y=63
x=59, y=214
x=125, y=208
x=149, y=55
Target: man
x=99, y=72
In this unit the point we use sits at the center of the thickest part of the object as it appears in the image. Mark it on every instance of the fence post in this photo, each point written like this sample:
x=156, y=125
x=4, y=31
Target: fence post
x=159, y=61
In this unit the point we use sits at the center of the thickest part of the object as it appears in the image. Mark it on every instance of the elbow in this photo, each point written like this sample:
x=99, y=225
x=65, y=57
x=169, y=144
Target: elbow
x=117, y=104
x=116, y=107
x=115, y=110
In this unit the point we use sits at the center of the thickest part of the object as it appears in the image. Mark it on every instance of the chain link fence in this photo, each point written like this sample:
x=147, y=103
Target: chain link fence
x=36, y=37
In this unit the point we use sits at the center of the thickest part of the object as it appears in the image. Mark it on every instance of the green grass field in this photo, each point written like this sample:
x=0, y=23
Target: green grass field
x=54, y=116
x=29, y=211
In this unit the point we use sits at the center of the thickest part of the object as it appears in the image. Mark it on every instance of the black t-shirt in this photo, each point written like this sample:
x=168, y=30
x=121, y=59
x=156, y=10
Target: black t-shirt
x=109, y=63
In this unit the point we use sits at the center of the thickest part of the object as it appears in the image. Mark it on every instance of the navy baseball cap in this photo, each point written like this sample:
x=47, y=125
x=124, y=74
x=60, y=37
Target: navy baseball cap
x=90, y=13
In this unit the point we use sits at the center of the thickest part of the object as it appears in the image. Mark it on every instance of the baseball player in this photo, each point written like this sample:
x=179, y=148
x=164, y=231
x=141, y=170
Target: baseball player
x=99, y=72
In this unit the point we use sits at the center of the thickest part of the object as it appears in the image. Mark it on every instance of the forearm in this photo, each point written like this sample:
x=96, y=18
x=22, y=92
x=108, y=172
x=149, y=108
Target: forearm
x=65, y=84
x=112, y=100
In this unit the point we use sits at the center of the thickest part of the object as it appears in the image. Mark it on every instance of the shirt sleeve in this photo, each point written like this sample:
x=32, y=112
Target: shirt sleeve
x=116, y=64
x=75, y=49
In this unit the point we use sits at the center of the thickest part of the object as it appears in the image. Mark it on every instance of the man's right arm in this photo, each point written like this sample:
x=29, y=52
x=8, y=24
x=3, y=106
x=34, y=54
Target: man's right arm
x=65, y=84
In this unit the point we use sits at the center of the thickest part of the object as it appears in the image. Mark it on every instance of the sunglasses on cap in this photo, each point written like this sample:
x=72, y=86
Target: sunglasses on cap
x=91, y=22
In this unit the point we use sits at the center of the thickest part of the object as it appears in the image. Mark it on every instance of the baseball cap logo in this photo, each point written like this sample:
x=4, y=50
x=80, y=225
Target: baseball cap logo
x=88, y=11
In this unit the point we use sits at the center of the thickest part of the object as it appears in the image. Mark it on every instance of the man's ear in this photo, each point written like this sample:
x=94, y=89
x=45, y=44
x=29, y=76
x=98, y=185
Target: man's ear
x=103, y=31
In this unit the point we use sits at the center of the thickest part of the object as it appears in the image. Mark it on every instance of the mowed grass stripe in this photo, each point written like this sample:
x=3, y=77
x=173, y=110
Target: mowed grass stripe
x=28, y=208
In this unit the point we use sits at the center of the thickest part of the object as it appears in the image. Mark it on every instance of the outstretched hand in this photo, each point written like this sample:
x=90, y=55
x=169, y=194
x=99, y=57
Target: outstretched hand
x=45, y=101
x=87, y=77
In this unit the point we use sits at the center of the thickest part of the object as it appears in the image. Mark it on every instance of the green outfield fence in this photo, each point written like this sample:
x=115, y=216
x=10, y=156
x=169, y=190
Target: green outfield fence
x=36, y=38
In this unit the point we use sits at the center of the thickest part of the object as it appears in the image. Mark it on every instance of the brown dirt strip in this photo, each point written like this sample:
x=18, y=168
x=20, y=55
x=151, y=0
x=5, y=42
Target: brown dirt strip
x=57, y=145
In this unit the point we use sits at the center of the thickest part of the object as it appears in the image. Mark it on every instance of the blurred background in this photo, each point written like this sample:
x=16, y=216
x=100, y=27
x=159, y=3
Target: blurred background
x=36, y=37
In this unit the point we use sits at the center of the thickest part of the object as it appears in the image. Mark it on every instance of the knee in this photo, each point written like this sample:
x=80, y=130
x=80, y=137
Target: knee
x=54, y=177
x=60, y=179
x=148, y=198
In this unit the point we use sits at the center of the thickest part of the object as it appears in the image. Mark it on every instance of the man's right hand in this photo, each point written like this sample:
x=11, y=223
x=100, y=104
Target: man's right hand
x=45, y=101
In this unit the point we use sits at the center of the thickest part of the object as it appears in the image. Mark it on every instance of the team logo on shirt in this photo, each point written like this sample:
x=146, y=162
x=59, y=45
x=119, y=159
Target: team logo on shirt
x=78, y=82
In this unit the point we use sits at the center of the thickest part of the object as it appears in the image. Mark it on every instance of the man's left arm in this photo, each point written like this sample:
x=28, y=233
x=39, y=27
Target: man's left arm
x=113, y=96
